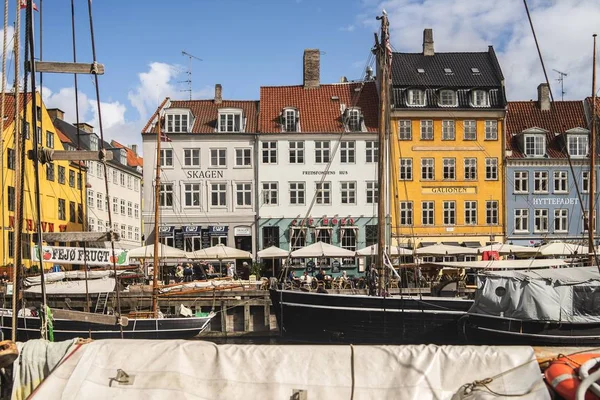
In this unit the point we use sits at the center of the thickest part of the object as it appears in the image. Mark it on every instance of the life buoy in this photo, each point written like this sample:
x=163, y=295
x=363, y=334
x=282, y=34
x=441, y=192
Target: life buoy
x=563, y=375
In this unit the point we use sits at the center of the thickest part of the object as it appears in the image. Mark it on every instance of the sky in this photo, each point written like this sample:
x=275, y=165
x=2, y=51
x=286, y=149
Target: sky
x=247, y=44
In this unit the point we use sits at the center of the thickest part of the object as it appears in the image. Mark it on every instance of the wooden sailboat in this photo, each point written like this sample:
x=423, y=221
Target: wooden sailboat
x=324, y=317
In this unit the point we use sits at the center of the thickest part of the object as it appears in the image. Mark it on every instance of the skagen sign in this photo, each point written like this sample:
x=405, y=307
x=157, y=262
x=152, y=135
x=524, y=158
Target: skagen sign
x=209, y=174
x=449, y=190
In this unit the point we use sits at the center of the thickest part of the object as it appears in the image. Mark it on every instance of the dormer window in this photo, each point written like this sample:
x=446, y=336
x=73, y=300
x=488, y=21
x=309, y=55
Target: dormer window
x=354, y=120
x=93, y=142
x=448, y=98
x=577, y=145
x=416, y=97
x=290, y=118
x=177, y=121
x=480, y=98
x=535, y=145
x=230, y=120
x=123, y=156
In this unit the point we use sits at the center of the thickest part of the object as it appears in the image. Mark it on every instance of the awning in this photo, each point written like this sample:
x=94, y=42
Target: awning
x=191, y=230
x=473, y=245
x=165, y=231
x=352, y=228
x=452, y=244
x=425, y=244
x=218, y=230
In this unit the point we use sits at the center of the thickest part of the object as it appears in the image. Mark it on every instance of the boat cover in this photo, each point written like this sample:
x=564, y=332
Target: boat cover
x=504, y=264
x=76, y=287
x=178, y=369
x=556, y=294
x=59, y=276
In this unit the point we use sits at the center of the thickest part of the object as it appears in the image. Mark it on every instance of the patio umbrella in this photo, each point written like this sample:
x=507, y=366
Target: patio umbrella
x=444, y=250
x=220, y=252
x=394, y=251
x=562, y=249
x=507, y=248
x=321, y=249
x=164, y=251
x=273, y=253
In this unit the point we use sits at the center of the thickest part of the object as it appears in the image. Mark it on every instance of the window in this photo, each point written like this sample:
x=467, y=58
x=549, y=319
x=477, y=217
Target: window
x=540, y=220
x=11, y=198
x=99, y=200
x=11, y=244
x=116, y=206
x=479, y=98
x=177, y=123
x=297, y=238
x=71, y=178
x=561, y=220
x=218, y=157
x=218, y=194
x=122, y=206
x=136, y=235
x=270, y=193
x=99, y=173
x=449, y=213
x=243, y=158
x=348, y=190
x=39, y=136
x=448, y=130
x=50, y=172
x=115, y=175
x=269, y=152
x=322, y=151
x=370, y=235
x=521, y=182
x=91, y=224
x=191, y=157
x=491, y=169
x=348, y=242
x=165, y=195
x=372, y=192
x=404, y=129
x=540, y=182
x=123, y=231
x=323, y=235
x=129, y=209
x=79, y=180
x=62, y=211
x=449, y=168
x=347, y=154
x=10, y=158
x=448, y=98
x=90, y=167
x=491, y=130
x=405, y=169
x=136, y=185
x=406, y=213
x=585, y=220
x=296, y=152
x=416, y=97
x=521, y=220
x=93, y=142
x=372, y=151
x=470, y=169
x=136, y=210
x=427, y=212
x=323, y=190
x=577, y=145
x=470, y=130
x=122, y=179
x=585, y=182
x=290, y=120
x=427, y=130
x=129, y=181
x=491, y=212
x=470, y=213
x=354, y=120
x=297, y=192
x=243, y=192
x=535, y=145
x=166, y=157
x=129, y=232
x=427, y=169
x=560, y=181
x=72, y=211
x=61, y=174
x=230, y=122
x=49, y=140
x=90, y=198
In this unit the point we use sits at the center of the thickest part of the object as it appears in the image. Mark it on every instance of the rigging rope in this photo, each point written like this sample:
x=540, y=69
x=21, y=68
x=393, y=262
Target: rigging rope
x=2, y=108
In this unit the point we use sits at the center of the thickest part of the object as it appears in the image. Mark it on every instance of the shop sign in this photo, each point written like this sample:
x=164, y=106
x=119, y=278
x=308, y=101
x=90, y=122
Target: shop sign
x=449, y=190
x=555, y=201
x=242, y=231
x=28, y=225
x=218, y=230
x=209, y=174
x=77, y=255
x=191, y=230
x=165, y=231
x=325, y=221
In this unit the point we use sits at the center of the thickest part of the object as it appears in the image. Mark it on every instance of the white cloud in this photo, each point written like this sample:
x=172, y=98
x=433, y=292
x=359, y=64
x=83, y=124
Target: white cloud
x=348, y=28
x=65, y=100
x=564, y=29
x=154, y=86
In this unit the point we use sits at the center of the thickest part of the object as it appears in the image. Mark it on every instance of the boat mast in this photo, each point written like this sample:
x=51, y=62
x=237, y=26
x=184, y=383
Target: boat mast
x=590, y=219
x=384, y=53
x=156, y=216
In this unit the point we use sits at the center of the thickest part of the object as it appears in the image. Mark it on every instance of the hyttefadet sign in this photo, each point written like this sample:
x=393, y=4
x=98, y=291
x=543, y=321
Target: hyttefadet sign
x=77, y=255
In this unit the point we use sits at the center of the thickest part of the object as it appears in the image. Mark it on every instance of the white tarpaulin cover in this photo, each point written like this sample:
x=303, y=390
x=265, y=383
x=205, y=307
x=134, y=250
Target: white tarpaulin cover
x=444, y=249
x=219, y=252
x=394, y=251
x=178, y=369
x=103, y=285
x=507, y=248
x=504, y=264
x=164, y=251
x=59, y=276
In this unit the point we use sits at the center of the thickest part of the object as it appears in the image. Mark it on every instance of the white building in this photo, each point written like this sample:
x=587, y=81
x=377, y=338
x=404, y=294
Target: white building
x=208, y=176
x=124, y=183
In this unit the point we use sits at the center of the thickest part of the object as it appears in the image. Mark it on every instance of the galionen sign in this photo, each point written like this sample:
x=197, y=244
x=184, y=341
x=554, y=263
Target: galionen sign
x=449, y=190
x=77, y=255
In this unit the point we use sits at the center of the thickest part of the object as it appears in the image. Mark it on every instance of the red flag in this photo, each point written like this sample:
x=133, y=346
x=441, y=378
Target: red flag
x=24, y=5
x=164, y=137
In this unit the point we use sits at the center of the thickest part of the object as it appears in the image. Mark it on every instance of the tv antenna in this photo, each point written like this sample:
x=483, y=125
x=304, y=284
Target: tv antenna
x=189, y=71
x=561, y=79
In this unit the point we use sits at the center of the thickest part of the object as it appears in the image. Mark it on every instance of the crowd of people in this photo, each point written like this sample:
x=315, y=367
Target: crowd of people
x=188, y=272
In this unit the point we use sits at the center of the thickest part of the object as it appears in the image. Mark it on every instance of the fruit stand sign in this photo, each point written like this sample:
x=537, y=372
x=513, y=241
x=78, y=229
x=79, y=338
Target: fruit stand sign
x=77, y=255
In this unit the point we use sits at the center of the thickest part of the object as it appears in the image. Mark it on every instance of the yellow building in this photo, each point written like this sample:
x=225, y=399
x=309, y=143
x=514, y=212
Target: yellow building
x=447, y=147
x=61, y=204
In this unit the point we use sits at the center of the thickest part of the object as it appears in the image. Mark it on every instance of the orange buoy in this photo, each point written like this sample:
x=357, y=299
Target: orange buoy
x=563, y=375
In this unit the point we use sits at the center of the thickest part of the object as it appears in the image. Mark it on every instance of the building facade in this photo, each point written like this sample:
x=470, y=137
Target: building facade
x=208, y=181
x=317, y=164
x=124, y=183
x=60, y=181
x=447, y=147
x=547, y=171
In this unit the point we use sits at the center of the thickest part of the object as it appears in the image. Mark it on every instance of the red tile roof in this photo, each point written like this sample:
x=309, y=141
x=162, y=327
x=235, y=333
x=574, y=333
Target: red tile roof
x=562, y=116
x=9, y=107
x=63, y=138
x=133, y=160
x=319, y=113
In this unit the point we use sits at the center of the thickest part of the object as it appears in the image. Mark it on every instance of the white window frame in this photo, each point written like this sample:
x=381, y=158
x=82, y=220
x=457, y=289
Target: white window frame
x=192, y=191
x=540, y=220
x=166, y=158
x=269, y=152
x=561, y=218
x=470, y=212
x=428, y=213
x=166, y=195
x=243, y=194
x=323, y=193
x=99, y=201
x=230, y=120
x=372, y=192
x=521, y=220
x=348, y=152
x=191, y=158
x=480, y=98
x=427, y=169
x=291, y=119
x=220, y=190
x=448, y=98
x=427, y=129
x=243, y=154
x=322, y=151
x=543, y=178
x=538, y=145
x=406, y=213
x=416, y=98
x=177, y=122
x=405, y=129
x=449, y=213
x=405, y=166
x=296, y=151
x=353, y=120
x=585, y=181
x=297, y=192
x=560, y=182
x=371, y=151
x=491, y=130
x=521, y=182
x=470, y=168
x=469, y=129
x=219, y=155
x=491, y=169
x=448, y=129
x=449, y=169
x=270, y=193
x=93, y=142
x=578, y=145
x=348, y=192
x=492, y=215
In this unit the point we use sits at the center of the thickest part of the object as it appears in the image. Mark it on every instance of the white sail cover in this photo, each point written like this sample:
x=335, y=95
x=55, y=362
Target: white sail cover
x=179, y=369
x=104, y=285
x=505, y=248
x=504, y=264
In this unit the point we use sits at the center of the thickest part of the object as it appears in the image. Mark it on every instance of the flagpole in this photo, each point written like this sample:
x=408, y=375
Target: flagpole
x=156, y=217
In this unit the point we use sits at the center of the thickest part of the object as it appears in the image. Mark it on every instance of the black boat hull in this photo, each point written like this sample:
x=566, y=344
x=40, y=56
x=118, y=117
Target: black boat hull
x=494, y=330
x=335, y=318
x=152, y=328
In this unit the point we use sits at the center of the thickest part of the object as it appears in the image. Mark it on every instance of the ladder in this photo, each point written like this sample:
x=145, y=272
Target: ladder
x=101, y=302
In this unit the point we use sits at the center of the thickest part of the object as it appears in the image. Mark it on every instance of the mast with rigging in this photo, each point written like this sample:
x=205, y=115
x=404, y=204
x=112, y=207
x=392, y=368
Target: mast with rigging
x=156, y=216
x=590, y=218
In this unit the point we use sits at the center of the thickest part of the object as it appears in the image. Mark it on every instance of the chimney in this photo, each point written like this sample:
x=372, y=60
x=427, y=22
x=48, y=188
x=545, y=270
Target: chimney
x=56, y=113
x=428, y=42
x=134, y=149
x=543, y=97
x=85, y=127
x=218, y=93
x=311, y=75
